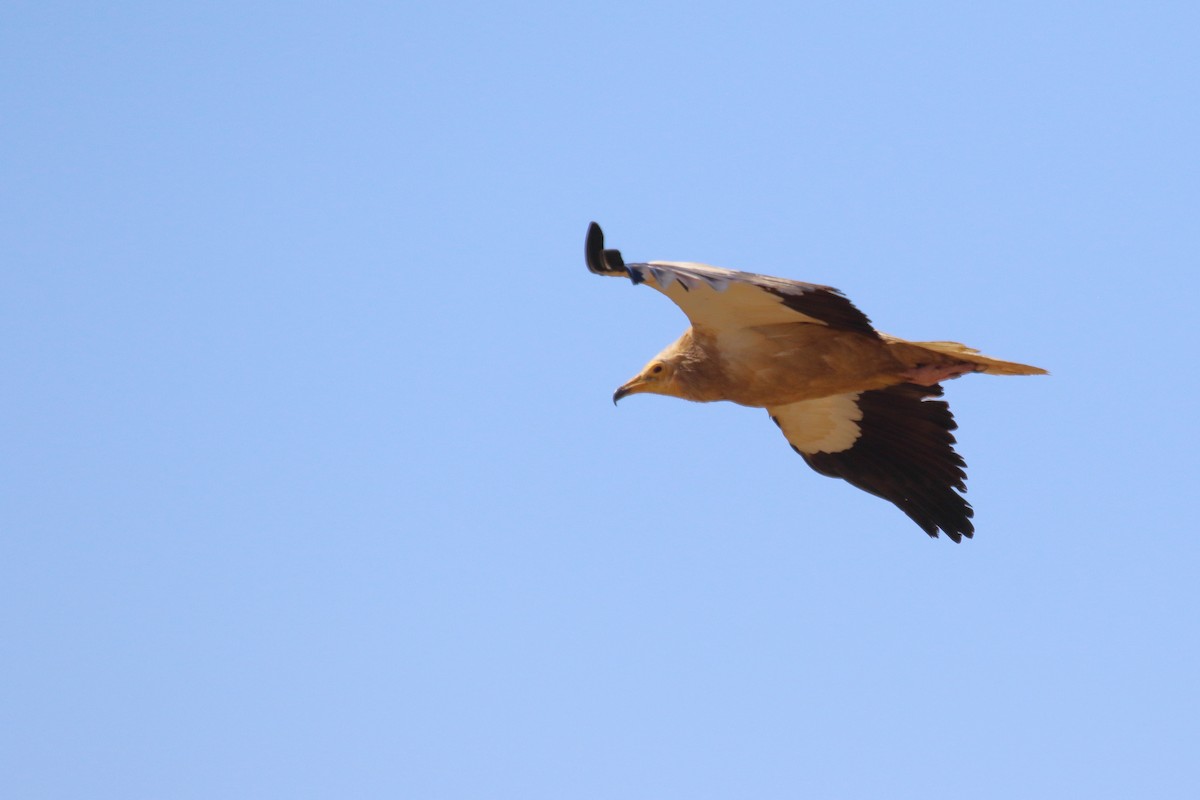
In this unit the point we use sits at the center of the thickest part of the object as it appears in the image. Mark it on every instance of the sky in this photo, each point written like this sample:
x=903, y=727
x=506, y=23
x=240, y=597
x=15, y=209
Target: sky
x=312, y=482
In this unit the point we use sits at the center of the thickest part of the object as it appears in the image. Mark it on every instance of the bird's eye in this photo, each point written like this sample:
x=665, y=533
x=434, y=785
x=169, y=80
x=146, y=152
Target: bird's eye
x=657, y=369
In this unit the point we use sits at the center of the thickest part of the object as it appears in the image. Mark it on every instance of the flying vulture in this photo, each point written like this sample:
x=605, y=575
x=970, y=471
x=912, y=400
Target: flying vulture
x=855, y=403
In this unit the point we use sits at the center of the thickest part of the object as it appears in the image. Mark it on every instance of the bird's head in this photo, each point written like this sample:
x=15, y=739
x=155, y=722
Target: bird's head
x=657, y=377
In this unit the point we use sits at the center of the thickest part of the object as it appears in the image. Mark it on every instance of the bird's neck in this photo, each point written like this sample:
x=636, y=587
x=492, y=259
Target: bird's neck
x=699, y=375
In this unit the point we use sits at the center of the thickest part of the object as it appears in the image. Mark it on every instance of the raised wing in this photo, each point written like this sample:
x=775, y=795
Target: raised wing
x=895, y=443
x=723, y=299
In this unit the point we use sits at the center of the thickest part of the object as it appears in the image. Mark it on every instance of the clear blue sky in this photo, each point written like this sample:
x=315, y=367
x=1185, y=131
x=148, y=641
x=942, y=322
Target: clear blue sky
x=312, y=484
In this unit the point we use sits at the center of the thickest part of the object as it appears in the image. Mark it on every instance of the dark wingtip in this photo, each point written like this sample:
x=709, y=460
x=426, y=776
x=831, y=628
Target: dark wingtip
x=599, y=260
x=593, y=249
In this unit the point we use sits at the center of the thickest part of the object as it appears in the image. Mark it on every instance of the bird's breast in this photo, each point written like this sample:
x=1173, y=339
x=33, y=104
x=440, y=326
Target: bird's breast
x=787, y=364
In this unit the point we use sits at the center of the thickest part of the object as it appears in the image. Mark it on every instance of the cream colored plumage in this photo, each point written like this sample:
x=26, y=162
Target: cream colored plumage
x=855, y=403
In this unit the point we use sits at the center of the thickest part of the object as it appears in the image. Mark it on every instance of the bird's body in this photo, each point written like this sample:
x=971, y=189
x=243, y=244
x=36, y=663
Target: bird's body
x=856, y=403
x=780, y=363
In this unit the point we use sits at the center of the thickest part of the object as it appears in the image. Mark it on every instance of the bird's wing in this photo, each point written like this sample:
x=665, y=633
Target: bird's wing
x=895, y=443
x=721, y=300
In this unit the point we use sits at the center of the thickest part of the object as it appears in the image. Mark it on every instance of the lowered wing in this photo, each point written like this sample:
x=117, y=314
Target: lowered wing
x=895, y=443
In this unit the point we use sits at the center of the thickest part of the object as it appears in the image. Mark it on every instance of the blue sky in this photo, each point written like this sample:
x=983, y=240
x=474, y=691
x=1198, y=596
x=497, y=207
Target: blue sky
x=312, y=484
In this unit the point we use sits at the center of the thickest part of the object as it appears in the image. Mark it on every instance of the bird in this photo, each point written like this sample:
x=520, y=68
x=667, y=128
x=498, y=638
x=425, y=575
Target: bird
x=855, y=403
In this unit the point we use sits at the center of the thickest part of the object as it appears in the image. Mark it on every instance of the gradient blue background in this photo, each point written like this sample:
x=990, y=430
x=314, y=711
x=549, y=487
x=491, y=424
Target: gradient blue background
x=312, y=486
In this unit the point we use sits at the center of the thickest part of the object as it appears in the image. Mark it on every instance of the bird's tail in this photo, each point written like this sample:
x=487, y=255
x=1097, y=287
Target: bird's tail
x=930, y=362
x=987, y=365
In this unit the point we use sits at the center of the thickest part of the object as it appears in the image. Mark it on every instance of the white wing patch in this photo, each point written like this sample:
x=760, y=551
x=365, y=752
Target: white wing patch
x=718, y=299
x=827, y=425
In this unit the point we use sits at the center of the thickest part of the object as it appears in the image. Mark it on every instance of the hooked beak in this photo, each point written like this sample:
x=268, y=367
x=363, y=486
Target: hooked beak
x=633, y=387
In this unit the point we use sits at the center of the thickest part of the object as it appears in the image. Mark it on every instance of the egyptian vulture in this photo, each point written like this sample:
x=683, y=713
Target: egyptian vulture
x=855, y=403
